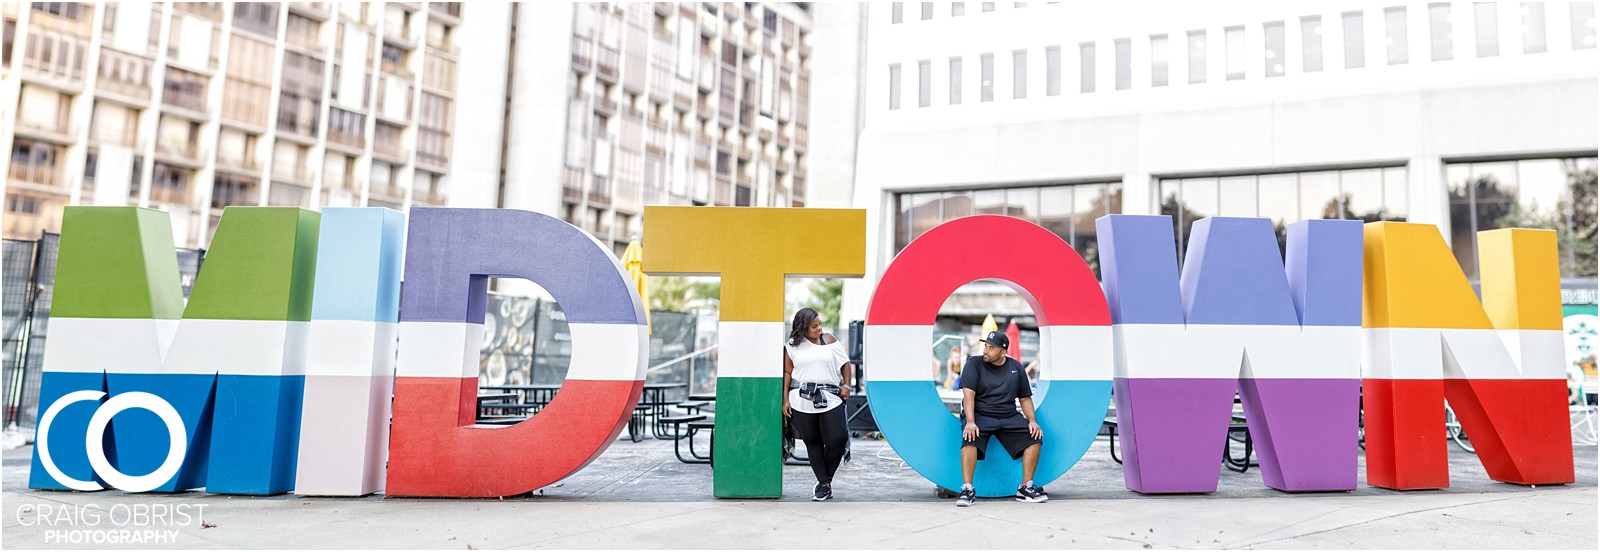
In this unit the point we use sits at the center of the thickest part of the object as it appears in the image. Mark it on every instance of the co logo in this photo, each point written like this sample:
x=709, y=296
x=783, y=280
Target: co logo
x=94, y=441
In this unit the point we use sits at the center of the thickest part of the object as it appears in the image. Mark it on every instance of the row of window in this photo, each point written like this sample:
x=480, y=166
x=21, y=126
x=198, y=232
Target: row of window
x=1274, y=55
x=1553, y=193
x=957, y=9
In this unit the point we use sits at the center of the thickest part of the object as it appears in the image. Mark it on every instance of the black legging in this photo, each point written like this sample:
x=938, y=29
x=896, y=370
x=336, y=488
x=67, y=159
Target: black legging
x=826, y=437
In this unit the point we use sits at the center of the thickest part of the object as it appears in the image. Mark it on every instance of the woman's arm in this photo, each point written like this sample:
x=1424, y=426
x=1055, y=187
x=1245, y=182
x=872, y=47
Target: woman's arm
x=788, y=369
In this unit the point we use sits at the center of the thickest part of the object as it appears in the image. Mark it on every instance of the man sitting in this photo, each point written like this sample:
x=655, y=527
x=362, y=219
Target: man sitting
x=991, y=387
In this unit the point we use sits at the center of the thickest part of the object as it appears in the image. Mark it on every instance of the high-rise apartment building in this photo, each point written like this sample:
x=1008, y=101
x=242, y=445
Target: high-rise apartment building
x=191, y=107
x=611, y=106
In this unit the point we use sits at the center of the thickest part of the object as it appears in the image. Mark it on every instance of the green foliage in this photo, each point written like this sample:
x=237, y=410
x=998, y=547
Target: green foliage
x=827, y=294
x=675, y=293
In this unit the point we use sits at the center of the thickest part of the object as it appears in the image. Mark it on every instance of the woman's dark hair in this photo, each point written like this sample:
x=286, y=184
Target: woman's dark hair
x=802, y=322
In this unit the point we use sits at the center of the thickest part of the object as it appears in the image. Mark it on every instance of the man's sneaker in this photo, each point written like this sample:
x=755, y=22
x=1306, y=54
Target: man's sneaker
x=968, y=496
x=1030, y=493
x=823, y=491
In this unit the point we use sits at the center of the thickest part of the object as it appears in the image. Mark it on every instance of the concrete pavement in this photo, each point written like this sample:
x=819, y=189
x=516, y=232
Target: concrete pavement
x=637, y=495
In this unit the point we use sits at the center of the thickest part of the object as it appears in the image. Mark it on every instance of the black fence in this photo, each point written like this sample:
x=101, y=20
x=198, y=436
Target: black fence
x=29, y=282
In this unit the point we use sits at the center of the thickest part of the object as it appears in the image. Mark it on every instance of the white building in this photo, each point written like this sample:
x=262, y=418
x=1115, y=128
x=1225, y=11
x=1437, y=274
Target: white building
x=1063, y=112
x=191, y=107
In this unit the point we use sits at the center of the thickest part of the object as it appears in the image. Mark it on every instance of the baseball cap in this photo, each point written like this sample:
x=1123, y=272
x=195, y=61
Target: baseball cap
x=998, y=339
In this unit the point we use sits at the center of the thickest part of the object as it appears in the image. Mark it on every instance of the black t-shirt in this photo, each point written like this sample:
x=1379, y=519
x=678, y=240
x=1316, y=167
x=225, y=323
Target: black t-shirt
x=995, y=388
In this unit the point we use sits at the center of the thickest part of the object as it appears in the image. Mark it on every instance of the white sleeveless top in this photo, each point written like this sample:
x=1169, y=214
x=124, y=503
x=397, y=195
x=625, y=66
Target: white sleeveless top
x=815, y=363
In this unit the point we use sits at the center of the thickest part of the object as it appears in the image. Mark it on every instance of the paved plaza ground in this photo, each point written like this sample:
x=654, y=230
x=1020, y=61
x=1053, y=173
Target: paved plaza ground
x=637, y=495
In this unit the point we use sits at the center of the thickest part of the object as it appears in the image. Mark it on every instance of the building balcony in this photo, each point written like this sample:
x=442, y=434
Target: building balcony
x=243, y=163
x=449, y=12
x=351, y=140
x=805, y=50
x=297, y=174
x=51, y=129
x=572, y=185
x=188, y=154
x=390, y=151
x=783, y=139
x=606, y=58
x=388, y=192
x=582, y=56
x=605, y=106
x=600, y=195
x=399, y=36
x=313, y=10
x=764, y=134
x=800, y=138
x=683, y=97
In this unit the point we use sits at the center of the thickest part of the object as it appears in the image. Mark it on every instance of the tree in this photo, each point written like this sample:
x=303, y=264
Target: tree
x=669, y=293
x=827, y=294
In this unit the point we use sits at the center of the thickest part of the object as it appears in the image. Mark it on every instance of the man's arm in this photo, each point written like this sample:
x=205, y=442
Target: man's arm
x=1027, y=411
x=970, y=430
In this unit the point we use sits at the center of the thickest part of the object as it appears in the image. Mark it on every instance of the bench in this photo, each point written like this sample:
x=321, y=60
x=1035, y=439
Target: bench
x=692, y=407
x=694, y=428
x=676, y=423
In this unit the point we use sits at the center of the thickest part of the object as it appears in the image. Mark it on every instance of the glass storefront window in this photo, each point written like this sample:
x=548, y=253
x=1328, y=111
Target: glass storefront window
x=1557, y=194
x=1068, y=210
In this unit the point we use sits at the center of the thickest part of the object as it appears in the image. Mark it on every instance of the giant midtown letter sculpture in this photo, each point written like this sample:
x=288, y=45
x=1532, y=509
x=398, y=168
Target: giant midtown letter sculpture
x=142, y=392
x=1074, y=330
x=350, y=356
x=1284, y=330
x=753, y=250
x=1500, y=365
x=435, y=447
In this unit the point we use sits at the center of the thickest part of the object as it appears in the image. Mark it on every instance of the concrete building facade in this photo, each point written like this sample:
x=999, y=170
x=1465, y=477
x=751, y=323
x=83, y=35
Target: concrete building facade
x=1466, y=115
x=191, y=107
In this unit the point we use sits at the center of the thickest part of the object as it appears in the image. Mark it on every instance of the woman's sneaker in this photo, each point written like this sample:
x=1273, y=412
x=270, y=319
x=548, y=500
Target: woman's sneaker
x=1030, y=493
x=821, y=492
x=968, y=496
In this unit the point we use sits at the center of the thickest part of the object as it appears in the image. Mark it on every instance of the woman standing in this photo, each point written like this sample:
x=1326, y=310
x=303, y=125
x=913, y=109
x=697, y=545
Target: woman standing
x=816, y=375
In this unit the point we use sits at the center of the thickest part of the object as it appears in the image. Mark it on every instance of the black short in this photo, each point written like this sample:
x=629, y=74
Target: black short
x=1012, y=432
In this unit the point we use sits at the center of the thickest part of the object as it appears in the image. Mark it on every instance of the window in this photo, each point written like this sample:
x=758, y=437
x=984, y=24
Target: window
x=986, y=87
x=227, y=189
x=1355, y=50
x=1488, y=28
x=1068, y=211
x=958, y=8
x=898, y=14
x=1158, y=60
x=1052, y=71
x=1556, y=194
x=1284, y=198
x=1311, y=43
x=988, y=6
x=1123, y=49
x=1399, y=47
x=927, y=11
x=1273, y=33
x=1582, y=25
x=257, y=17
x=924, y=83
x=1086, y=67
x=10, y=37
x=894, y=86
x=1533, y=41
x=955, y=81
x=1234, y=37
x=1197, y=57
x=1439, y=27
x=1019, y=74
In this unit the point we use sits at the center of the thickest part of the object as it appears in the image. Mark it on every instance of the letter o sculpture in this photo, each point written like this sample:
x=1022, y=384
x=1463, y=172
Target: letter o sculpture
x=1075, y=335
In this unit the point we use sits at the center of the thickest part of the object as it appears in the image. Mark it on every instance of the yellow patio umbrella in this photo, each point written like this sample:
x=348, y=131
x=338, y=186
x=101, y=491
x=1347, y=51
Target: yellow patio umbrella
x=989, y=324
x=633, y=262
